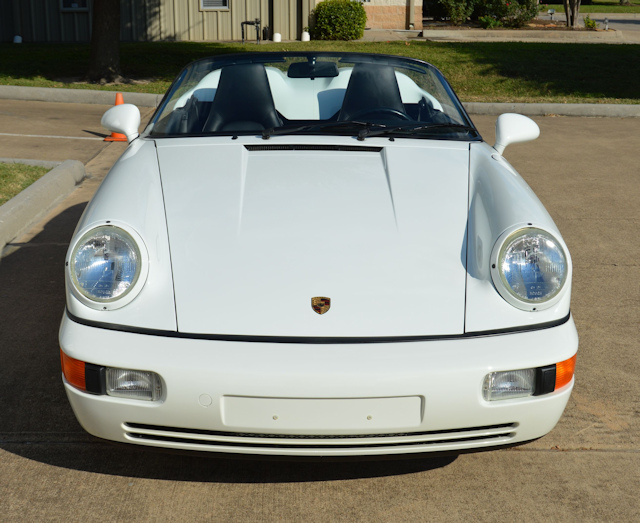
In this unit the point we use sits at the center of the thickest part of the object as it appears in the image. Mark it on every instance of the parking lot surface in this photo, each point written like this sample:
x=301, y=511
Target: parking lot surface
x=29, y=131
x=585, y=171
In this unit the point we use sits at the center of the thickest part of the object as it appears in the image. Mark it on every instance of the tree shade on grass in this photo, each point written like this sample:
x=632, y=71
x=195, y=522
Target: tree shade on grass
x=479, y=72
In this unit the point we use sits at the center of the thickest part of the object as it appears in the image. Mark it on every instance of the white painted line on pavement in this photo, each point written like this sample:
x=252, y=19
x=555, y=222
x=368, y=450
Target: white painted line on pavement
x=50, y=136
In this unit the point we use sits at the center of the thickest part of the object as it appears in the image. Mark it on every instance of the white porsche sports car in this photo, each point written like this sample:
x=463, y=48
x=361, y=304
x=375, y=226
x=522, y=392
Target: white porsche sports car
x=316, y=254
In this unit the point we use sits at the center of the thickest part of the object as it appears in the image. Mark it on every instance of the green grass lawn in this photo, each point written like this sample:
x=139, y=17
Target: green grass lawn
x=15, y=177
x=479, y=72
x=598, y=6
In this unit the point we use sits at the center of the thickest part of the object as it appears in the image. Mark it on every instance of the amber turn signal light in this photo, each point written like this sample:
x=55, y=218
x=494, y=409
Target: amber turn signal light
x=564, y=371
x=73, y=371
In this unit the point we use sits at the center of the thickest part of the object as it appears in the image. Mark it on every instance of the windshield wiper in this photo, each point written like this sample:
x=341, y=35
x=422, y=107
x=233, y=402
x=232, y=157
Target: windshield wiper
x=366, y=129
x=327, y=125
x=409, y=129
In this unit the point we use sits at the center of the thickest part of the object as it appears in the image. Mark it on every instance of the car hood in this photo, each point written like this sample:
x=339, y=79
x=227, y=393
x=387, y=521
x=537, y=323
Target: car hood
x=258, y=229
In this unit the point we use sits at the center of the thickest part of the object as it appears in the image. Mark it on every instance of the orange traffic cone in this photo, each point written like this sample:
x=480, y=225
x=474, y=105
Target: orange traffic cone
x=117, y=137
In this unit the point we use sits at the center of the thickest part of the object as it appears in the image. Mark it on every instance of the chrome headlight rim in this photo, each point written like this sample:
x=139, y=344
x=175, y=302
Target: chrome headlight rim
x=132, y=292
x=500, y=282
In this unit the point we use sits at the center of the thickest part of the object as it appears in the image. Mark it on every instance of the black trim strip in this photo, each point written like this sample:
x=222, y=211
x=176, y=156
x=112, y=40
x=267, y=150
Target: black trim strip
x=312, y=339
x=313, y=147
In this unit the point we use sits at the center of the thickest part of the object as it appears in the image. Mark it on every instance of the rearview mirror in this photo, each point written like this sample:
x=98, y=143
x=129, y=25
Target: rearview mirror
x=124, y=119
x=312, y=70
x=514, y=128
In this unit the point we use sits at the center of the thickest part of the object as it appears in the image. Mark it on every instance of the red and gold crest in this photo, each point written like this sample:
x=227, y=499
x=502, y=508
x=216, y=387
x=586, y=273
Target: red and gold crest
x=320, y=304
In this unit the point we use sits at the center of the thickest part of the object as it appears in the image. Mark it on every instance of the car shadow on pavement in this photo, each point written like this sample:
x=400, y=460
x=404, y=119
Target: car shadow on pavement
x=36, y=420
x=99, y=457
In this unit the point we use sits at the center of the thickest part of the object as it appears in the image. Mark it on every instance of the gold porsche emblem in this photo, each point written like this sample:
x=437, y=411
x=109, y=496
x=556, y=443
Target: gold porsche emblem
x=320, y=304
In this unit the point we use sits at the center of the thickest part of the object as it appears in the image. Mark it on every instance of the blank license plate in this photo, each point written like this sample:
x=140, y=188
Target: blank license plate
x=324, y=415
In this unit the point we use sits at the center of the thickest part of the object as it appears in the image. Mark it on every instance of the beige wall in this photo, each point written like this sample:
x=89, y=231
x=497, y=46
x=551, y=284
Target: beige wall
x=154, y=20
x=393, y=14
x=42, y=21
x=389, y=14
x=184, y=20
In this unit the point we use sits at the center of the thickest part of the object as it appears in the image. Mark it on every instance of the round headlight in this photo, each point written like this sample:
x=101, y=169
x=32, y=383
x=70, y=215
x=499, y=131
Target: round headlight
x=105, y=264
x=530, y=268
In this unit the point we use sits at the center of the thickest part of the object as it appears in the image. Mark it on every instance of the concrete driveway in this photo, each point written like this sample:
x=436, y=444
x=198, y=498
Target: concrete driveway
x=585, y=170
x=53, y=132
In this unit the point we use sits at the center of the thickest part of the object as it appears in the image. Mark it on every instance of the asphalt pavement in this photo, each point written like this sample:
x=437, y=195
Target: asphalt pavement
x=585, y=171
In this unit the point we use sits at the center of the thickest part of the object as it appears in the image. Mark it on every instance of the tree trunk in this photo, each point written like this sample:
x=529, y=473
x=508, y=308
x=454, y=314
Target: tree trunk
x=572, y=10
x=105, y=42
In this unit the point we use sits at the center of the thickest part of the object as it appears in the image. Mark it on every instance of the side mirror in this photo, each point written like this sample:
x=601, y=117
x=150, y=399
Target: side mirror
x=514, y=128
x=124, y=119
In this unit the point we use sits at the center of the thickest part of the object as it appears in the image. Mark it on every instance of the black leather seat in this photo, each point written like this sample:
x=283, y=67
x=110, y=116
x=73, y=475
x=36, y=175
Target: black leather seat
x=372, y=90
x=243, y=101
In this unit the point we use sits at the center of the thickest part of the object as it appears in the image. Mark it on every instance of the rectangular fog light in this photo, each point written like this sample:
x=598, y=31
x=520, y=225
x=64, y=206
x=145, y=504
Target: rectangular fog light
x=133, y=384
x=510, y=384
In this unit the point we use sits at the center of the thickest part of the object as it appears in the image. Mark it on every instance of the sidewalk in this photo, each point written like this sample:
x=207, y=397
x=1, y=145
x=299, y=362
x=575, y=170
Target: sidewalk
x=624, y=28
x=534, y=35
x=505, y=35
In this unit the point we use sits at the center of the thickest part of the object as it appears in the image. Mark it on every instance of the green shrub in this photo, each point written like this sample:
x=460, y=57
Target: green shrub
x=589, y=23
x=338, y=20
x=520, y=13
x=458, y=10
x=489, y=22
x=512, y=13
x=482, y=8
x=434, y=9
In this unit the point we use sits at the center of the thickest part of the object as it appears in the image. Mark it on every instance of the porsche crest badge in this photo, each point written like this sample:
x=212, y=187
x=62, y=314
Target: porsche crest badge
x=320, y=304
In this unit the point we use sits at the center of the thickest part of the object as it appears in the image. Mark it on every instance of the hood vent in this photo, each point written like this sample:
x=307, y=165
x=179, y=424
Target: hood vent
x=305, y=147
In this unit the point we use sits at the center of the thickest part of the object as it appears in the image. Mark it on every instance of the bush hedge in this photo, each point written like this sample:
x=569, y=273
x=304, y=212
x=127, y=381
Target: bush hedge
x=490, y=13
x=516, y=13
x=338, y=20
x=434, y=9
x=458, y=10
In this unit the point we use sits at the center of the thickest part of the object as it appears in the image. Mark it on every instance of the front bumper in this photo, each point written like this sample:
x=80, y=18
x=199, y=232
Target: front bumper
x=319, y=400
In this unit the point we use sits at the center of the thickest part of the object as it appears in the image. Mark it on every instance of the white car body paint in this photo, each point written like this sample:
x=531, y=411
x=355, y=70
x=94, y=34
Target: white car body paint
x=241, y=232
x=131, y=194
x=201, y=375
x=256, y=234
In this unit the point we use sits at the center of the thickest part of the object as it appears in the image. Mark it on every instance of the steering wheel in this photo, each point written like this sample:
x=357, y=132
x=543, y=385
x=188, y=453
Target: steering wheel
x=381, y=111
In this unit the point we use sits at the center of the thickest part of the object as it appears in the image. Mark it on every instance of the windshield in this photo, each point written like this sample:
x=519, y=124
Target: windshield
x=271, y=94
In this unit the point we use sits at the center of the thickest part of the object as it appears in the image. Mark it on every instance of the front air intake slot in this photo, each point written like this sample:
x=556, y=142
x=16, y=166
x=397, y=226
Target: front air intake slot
x=457, y=438
x=305, y=147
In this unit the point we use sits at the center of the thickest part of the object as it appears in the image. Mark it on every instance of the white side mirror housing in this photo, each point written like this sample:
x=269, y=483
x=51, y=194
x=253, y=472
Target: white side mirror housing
x=514, y=128
x=123, y=119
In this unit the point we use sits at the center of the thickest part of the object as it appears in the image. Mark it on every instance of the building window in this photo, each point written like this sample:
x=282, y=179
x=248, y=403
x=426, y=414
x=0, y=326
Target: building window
x=74, y=5
x=207, y=5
